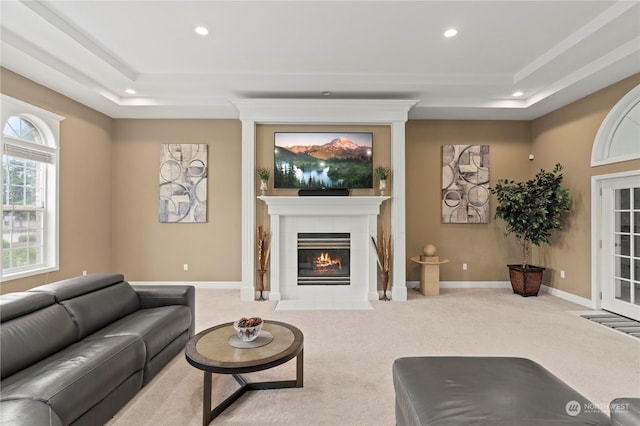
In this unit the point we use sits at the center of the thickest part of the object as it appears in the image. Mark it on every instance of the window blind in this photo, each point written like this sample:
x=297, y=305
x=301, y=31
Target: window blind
x=28, y=153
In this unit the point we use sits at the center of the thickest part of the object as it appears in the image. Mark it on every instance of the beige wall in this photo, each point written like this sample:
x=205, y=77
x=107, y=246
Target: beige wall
x=85, y=182
x=567, y=136
x=109, y=191
x=146, y=250
x=482, y=246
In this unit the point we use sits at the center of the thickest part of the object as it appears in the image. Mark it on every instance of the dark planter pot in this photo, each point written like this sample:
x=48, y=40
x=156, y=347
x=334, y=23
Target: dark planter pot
x=525, y=281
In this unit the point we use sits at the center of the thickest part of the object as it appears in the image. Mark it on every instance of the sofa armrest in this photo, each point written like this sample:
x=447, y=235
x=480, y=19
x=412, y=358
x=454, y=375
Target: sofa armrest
x=24, y=411
x=625, y=411
x=153, y=296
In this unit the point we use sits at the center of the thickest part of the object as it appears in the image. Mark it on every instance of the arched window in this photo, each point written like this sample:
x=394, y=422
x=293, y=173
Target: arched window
x=618, y=138
x=29, y=190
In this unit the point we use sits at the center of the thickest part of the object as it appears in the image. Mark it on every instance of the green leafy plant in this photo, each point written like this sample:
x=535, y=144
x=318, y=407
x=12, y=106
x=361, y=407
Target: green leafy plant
x=533, y=209
x=382, y=172
x=263, y=174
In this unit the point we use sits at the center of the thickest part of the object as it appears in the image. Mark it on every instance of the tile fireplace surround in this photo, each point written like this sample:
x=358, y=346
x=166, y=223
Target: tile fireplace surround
x=356, y=215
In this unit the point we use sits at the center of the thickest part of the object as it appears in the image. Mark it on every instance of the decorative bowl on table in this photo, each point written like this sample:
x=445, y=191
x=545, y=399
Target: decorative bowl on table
x=248, y=329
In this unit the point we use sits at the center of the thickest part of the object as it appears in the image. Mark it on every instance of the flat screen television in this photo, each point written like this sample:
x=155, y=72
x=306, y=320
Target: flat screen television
x=315, y=160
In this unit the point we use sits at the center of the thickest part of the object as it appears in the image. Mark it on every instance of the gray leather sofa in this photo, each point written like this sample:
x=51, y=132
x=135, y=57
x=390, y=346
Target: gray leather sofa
x=497, y=391
x=76, y=351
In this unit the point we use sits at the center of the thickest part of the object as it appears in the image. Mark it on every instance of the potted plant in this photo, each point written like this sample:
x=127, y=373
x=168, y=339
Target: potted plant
x=382, y=173
x=263, y=175
x=532, y=210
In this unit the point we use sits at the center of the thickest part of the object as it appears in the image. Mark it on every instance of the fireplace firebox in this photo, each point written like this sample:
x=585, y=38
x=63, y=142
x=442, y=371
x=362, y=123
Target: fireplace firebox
x=324, y=259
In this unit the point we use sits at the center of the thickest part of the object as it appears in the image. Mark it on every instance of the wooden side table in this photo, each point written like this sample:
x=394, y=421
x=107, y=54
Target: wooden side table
x=430, y=276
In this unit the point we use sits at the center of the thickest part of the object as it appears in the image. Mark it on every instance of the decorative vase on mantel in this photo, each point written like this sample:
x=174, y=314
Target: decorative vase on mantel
x=263, y=175
x=382, y=187
x=382, y=173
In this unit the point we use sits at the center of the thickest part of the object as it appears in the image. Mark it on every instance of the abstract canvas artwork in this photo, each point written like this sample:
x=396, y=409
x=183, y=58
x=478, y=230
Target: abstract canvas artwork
x=183, y=183
x=465, y=184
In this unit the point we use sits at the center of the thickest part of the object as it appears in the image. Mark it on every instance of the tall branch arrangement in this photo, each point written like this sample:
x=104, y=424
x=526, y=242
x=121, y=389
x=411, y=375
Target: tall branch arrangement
x=383, y=251
x=263, y=248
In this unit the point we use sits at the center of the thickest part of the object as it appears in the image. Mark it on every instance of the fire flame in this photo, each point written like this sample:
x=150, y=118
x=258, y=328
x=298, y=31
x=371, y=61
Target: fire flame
x=325, y=261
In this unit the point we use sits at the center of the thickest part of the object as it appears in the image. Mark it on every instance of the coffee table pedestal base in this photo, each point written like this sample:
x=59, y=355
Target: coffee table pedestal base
x=209, y=414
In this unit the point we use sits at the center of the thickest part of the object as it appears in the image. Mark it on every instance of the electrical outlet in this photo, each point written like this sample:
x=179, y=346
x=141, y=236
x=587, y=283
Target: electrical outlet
x=84, y=272
x=561, y=274
x=185, y=267
x=464, y=266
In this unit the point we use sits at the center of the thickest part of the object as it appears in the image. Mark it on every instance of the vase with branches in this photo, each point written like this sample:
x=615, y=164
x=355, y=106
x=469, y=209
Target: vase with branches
x=383, y=257
x=263, y=249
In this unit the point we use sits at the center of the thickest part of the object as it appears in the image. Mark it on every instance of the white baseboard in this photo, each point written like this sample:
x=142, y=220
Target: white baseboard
x=506, y=284
x=410, y=284
x=465, y=284
x=413, y=284
x=475, y=284
x=197, y=284
x=568, y=296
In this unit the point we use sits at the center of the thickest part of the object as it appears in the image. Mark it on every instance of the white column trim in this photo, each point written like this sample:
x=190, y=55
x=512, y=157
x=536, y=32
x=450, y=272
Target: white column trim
x=398, y=213
x=276, y=263
x=247, y=290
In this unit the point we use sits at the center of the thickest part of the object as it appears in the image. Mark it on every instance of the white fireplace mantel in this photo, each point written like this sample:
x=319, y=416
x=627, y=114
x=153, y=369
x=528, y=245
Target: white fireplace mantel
x=323, y=205
x=392, y=112
x=355, y=215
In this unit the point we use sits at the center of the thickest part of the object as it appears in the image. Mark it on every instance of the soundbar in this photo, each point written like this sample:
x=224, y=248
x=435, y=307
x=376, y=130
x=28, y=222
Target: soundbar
x=333, y=192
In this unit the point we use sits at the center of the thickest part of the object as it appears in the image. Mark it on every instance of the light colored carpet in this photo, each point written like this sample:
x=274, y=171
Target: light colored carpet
x=348, y=356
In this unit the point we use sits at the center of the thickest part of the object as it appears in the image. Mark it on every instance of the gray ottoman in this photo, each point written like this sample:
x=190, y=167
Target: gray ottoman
x=460, y=391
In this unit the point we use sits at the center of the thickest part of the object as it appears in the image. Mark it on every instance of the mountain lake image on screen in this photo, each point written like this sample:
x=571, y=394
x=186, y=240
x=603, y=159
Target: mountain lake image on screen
x=313, y=160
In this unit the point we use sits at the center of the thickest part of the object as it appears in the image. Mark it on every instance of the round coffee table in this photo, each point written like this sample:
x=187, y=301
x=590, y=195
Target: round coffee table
x=210, y=351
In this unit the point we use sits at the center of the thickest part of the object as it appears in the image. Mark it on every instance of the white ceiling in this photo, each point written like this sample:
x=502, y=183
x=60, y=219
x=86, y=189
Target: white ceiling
x=553, y=51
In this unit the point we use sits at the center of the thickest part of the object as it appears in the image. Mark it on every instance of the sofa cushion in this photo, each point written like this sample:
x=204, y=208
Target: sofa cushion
x=108, y=407
x=157, y=327
x=157, y=363
x=94, y=300
x=78, y=377
x=625, y=411
x=74, y=287
x=94, y=310
x=485, y=391
x=34, y=336
x=13, y=305
x=21, y=412
x=153, y=296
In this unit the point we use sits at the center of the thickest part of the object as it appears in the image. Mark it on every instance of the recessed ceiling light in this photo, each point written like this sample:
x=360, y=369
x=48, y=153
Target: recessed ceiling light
x=516, y=94
x=451, y=32
x=202, y=31
x=130, y=91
